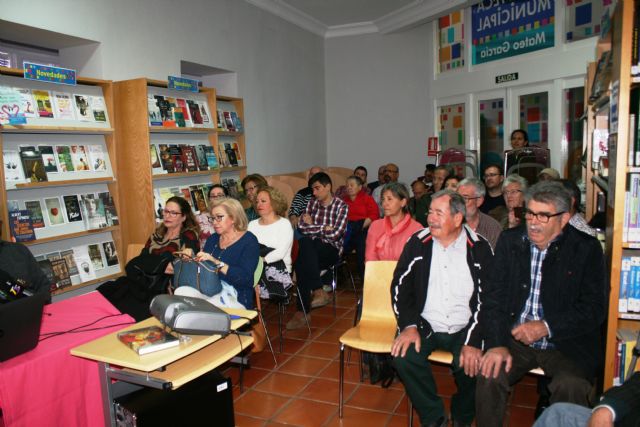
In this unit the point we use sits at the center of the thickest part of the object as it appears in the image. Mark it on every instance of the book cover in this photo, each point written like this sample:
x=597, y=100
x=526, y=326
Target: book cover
x=12, y=166
x=109, y=208
x=21, y=226
x=204, y=112
x=194, y=112
x=10, y=102
x=165, y=158
x=166, y=111
x=189, y=157
x=47, y=269
x=176, y=158
x=35, y=212
x=236, y=150
x=155, y=157
x=198, y=199
x=83, y=108
x=155, y=119
x=48, y=158
x=625, y=284
x=27, y=103
x=186, y=194
x=97, y=157
x=63, y=106
x=79, y=158
x=53, y=256
x=54, y=210
x=43, y=103
x=83, y=263
x=32, y=164
x=165, y=194
x=201, y=157
x=110, y=253
x=212, y=160
x=72, y=206
x=182, y=104
x=97, y=105
x=231, y=154
x=178, y=116
x=68, y=257
x=13, y=205
x=93, y=211
x=237, y=122
x=64, y=158
x=228, y=121
x=96, y=256
x=222, y=156
x=147, y=340
x=221, y=123
x=61, y=273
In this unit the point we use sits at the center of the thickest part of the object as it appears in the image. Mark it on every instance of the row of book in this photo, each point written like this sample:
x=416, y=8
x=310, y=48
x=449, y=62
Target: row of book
x=95, y=210
x=629, y=296
x=230, y=154
x=631, y=223
x=174, y=158
x=167, y=111
x=34, y=164
x=626, y=340
x=229, y=121
x=197, y=195
x=26, y=103
x=82, y=261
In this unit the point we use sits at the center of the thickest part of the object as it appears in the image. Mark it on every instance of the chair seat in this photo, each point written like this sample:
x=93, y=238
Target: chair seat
x=372, y=336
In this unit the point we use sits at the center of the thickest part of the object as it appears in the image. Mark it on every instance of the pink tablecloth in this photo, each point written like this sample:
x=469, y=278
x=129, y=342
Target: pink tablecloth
x=48, y=386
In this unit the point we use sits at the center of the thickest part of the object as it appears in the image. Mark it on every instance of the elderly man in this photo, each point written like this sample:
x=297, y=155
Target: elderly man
x=301, y=199
x=436, y=299
x=544, y=302
x=391, y=174
x=375, y=184
x=440, y=173
x=493, y=200
x=472, y=191
x=419, y=203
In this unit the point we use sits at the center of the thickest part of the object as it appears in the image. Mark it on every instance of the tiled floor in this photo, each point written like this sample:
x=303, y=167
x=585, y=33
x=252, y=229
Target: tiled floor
x=303, y=389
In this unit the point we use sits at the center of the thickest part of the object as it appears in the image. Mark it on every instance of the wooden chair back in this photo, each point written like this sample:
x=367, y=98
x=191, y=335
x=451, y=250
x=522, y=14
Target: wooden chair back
x=133, y=250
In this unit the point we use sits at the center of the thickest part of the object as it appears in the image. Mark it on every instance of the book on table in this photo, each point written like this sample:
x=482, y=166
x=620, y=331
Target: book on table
x=148, y=340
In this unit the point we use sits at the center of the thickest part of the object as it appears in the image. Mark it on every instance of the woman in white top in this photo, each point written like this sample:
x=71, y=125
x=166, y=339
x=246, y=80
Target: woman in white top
x=275, y=236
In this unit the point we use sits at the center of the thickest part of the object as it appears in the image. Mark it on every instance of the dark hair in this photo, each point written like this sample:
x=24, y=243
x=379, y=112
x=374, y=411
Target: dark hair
x=356, y=179
x=189, y=223
x=493, y=165
x=429, y=167
x=524, y=133
x=399, y=191
x=575, y=192
x=453, y=176
x=224, y=189
x=320, y=177
x=361, y=168
x=445, y=168
x=256, y=178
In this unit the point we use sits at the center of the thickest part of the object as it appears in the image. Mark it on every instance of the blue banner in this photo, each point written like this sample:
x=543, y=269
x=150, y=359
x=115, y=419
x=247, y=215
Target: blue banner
x=180, y=83
x=47, y=73
x=505, y=28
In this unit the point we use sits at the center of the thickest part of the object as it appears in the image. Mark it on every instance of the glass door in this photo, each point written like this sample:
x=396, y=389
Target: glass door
x=489, y=121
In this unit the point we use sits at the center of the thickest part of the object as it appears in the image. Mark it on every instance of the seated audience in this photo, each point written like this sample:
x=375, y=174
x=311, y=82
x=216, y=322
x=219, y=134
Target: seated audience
x=216, y=192
x=548, y=174
x=543, y=303
x=440, y=173
x=178, y=231
x=451, y=182
x=577, y=220
x=494, y=204
x=391, y=174
x=387, y=235
x=513, y=190
x=360, y=172
x=427, y=178
x=472, y=191
x=363, y=210
x=322, y=225
x=250, y=185
x=519, y=139
x=375, y=184
x=419, y=203
x=275, y=235
x=301, y=199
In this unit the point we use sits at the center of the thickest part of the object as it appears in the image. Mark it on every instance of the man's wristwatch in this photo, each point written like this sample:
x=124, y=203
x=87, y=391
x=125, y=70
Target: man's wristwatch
x=220, y=265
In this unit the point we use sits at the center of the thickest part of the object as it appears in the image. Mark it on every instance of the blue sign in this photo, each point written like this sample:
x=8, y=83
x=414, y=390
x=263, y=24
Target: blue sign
x=47, y=73
x=180, y=83
x=505, y=28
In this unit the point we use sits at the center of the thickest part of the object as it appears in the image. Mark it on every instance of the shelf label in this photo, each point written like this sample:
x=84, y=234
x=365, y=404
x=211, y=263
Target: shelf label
x=504, y=78
x=180, y=83
x=47, y=73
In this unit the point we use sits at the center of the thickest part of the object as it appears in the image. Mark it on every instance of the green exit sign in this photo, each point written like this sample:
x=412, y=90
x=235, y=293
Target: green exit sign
x=504, y=78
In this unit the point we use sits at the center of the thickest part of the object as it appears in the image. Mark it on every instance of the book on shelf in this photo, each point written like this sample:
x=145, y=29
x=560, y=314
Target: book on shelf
x=155, y=119
x=63, y=106
x=148, y=340
x=186, y=194
x=237, y=122
x=198, y=198
x=166, y=111
x=631, y=225
x=231, y=154
x=79, y=158
x=43, y=103
x=93, y=211
x=72, y=207
x=54, y=210
x=165, y=158
x=204, y=112
x=194, y=112
x=83, y=108
x=236, y=150
x=84, y=263
x=110, y=253
x=64, y=158
x=629, y=293
x=97, y=158
x=222, y=125
x=212, y=160
x=48, y=158
x=99, y=108
x=189, y=157
x=201, y=157
x=96, y=256
x=184, y=109
x=178, y=114
x=10, y=107
x=176, y=158
x=47, y=269
x=35, y=212
x=67, y=256
x=27, y=103
x=21, y=226
x=61, y=273
x=223, y=156
x=12, y=166
x=110, y=213
x=32, y=164
x=626, y=341
x=229, y=121
x=155, y=159
x=53, y=256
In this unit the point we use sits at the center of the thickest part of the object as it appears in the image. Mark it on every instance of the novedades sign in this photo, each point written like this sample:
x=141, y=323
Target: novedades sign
x=505, y=28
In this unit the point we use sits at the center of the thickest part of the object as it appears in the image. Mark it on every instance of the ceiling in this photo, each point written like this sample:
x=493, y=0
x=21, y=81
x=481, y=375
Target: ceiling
x=339, y=18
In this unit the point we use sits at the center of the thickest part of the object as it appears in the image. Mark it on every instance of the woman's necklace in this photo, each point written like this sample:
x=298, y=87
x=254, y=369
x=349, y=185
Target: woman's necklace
x=226, y=245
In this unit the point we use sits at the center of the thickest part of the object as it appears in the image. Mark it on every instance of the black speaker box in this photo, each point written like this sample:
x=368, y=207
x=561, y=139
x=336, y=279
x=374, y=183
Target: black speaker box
x=205, y=401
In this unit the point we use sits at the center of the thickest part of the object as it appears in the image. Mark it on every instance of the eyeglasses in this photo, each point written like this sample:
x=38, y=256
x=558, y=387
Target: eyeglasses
x=542, y=217
x=491, y=175
x=172, y=214
x=247, y=189
x=467, y=198
x=216, y=218
x=512, y=192
x=216, y=196
x=392, y=171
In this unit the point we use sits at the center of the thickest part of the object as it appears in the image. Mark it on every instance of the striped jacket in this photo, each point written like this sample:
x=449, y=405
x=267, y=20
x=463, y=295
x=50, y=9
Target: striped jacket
x=411, y=281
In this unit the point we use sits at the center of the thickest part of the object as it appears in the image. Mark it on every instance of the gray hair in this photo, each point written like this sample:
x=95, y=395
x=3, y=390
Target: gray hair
x=399, y=191
x=456, y=202
x=515, y=178
x=550, y=192
x=480, y=189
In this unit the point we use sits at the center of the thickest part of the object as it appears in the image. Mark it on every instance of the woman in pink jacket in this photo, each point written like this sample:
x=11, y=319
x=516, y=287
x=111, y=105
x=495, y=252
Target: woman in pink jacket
x=388, y=235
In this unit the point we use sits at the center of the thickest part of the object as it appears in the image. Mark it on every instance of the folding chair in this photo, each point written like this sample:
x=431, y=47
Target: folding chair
x=462, y=161
x=526, y=162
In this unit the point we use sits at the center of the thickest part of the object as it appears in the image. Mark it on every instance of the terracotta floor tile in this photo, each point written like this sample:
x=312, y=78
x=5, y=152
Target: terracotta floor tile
x=274, y=424
x=342, y=324
x=521, y=417
x=375, y=398
x=525, y=395
x=330, y=335
x=354, y=417
x=245, y=421
x=303, y=333
x=327, y=310
x=281, y=383
x=289, y=345
x=253, y=375
x=259, y=404
x=306, y=413
x=302, y=365
x=264, y=359
x=332, y=371
x=321, y=349
x=326, y=390
x=323, y=321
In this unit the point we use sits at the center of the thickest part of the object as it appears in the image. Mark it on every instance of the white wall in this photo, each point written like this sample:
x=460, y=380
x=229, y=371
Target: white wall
x=280, y=67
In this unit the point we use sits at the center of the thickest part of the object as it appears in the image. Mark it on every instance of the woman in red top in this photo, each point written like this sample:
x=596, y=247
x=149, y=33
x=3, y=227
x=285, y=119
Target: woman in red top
x=387, y=236
x=363, y=210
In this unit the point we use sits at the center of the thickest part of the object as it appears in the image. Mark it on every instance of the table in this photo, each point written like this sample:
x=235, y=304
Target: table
x=47, y=386
x=165, y=369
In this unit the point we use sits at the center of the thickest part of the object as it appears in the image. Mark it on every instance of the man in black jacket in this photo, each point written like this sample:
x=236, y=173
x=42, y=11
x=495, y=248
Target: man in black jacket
x=436, y=299
x=544, y=301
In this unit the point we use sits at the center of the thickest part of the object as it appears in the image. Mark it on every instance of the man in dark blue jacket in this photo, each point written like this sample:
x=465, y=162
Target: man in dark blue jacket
x=545, y=300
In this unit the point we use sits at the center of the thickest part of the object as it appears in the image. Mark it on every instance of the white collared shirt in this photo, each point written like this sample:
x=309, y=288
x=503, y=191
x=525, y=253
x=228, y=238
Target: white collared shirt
x=450, y=287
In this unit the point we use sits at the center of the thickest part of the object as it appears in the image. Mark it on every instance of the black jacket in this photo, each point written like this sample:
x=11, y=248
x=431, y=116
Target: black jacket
x=411, y=281
x=625, y=401
x=574, y=292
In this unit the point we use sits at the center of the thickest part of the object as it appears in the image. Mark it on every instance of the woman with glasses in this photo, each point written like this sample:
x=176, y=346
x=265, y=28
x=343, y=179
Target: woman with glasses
x=216, y=192
x=251, y=184
x=513, y=190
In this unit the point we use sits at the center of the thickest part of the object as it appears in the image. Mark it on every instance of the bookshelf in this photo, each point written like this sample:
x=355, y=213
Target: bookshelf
x=614, y=106
x=67, y=129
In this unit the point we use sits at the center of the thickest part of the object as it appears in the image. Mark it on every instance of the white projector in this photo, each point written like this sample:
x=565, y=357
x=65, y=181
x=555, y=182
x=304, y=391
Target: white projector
x=187, y=315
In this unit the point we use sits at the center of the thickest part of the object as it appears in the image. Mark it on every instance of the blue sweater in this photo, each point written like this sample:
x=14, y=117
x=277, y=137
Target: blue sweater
x=242, y=259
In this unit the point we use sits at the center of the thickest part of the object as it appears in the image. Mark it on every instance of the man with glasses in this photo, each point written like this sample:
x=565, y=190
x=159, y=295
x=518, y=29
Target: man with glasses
x=493, y=199
x=544, y=302
x=472, y=191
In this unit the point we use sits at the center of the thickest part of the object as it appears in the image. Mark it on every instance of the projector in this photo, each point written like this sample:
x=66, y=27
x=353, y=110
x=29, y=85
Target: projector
x=187, y=315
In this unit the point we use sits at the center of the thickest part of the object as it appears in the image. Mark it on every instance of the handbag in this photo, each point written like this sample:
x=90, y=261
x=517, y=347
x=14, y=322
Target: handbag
x=201, y=275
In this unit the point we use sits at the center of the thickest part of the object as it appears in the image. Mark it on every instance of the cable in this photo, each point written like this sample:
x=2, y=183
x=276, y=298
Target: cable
x=81, y=327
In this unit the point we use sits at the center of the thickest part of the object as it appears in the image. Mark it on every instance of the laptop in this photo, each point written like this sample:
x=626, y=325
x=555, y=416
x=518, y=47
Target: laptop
x=20, y=325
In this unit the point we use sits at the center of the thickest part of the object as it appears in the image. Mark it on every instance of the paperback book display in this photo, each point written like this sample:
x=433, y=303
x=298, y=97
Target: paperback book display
x=229, y=121
x=174, y=158
x=629, y=297
x=631, y=224
x=230, y=155
x=169, y=111
x=196, y=195
x=626, y=340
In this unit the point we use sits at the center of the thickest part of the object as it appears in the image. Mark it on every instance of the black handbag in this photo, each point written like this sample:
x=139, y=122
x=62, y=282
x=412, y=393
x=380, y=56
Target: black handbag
x=146, y=277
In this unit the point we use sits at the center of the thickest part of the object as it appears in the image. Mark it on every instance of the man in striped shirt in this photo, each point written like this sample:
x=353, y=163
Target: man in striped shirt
x=322, y=225
x=301, y=200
